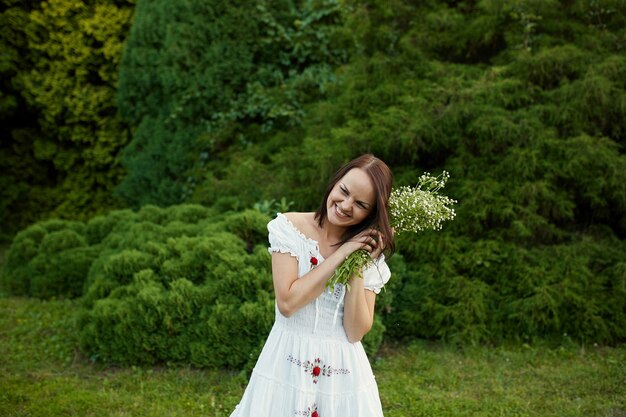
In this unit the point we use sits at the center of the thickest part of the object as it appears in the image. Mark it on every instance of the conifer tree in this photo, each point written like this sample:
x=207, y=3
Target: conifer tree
x=201, y=77
x=62, y=63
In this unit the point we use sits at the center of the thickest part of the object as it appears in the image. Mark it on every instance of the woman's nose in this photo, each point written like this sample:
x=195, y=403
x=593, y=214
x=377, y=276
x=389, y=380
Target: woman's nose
x=346, y=204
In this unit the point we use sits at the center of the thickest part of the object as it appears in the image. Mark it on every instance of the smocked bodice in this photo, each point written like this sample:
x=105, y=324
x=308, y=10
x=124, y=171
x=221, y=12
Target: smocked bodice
x=323, y=316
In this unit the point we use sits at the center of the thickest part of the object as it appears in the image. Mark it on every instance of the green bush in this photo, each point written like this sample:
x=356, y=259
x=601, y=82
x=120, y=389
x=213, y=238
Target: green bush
x=491, y=291
x=60, y=128
x=175, y=285
x=199, y=78
x=522, y=102
x=48, y=259
x=550, y=67
x=160, y=285
x=196, y=292
x=62, y=273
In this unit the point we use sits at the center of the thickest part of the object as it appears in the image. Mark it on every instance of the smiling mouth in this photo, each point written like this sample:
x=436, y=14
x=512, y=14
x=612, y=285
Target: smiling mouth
x=341, y=213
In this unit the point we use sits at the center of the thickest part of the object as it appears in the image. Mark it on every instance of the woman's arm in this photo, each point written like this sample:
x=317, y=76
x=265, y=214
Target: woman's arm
x=293, y=293
x=358, y=311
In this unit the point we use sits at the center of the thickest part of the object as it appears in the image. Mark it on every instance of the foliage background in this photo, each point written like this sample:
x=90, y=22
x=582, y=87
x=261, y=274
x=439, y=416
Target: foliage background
x=230, y=107
x=61, y=131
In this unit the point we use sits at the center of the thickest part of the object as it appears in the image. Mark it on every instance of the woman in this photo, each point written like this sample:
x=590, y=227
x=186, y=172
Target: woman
x=313, y=363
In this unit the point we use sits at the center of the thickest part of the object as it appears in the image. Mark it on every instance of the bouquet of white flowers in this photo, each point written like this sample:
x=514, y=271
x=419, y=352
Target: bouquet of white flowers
x=411, y=209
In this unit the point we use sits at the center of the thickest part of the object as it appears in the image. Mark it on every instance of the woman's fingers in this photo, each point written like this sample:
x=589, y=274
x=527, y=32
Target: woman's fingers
x=376, y=245
x=372, y=241
x=367, y=238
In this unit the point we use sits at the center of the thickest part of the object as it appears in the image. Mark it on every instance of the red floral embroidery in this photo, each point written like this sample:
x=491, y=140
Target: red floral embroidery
x=313, y=260
x=317, y=368
x=309, y=412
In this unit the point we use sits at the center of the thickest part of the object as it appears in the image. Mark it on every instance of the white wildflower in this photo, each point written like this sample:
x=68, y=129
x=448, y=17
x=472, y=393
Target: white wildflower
x=411, y=209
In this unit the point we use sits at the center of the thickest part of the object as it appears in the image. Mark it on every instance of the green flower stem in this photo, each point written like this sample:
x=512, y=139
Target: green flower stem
x=354, y=265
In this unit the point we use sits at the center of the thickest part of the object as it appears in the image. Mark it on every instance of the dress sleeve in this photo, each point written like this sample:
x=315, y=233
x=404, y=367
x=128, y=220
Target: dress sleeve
x=377, y=275
x=281, y=237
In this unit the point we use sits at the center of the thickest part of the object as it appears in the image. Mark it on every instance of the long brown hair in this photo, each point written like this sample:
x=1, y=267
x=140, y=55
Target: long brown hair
x=381, y=176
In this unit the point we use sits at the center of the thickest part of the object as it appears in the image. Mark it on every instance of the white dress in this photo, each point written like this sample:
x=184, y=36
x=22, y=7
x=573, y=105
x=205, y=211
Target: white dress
x=307, y=366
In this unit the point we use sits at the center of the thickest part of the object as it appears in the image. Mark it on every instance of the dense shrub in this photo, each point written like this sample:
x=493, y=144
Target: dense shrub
x=492, y=290
x=177, y=292
x=59, y=125
x=201, y=77
x=523, y=102
x=182, y=284
x=48, y=259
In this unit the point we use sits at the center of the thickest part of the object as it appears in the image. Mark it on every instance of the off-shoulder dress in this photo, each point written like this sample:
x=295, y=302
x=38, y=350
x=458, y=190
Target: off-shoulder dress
x=307, y=366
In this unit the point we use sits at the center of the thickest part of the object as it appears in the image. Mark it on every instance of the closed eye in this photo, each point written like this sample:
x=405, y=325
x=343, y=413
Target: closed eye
x=361, y=204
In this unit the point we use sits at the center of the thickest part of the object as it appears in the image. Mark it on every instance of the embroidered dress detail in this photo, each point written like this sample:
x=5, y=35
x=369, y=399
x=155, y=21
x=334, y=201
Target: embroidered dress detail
x=337, y=293
x=309, y=412
x=317, y=368
x=307, y=357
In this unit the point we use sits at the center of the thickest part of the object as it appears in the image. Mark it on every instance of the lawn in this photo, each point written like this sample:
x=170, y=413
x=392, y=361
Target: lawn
x=42, y=374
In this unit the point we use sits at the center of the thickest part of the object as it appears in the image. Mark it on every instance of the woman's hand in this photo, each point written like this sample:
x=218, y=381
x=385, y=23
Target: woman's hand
x=380, y=246
x=370, y=239
x=374, y=242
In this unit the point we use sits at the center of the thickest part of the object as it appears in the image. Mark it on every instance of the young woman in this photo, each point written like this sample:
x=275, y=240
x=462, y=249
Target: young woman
x=313, y=363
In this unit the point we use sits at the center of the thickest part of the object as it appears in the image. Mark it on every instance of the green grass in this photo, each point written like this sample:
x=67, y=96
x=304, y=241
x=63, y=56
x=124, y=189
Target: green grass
x=525, y=381
x=42, y=374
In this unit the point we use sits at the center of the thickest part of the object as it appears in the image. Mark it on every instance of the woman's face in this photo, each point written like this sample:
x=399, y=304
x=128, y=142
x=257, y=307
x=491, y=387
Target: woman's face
x=351, y=200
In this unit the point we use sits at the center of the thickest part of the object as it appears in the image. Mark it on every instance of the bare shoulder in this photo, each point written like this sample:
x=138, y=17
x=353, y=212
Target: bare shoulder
x=304, y=222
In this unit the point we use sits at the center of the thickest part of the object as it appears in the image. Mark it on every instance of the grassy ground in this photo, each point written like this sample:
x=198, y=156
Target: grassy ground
x=41, y=374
